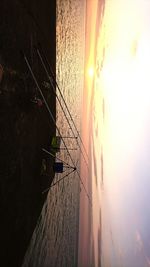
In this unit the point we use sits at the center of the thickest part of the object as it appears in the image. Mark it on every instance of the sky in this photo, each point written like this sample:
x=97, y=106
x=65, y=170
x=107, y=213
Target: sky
x=89, y=228
x=117, y=83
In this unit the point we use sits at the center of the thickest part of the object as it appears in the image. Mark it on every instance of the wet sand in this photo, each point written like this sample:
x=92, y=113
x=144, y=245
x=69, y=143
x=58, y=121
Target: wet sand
x=25, y=127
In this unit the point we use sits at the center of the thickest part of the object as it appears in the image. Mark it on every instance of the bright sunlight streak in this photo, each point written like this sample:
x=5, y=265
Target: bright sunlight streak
x=91, y=72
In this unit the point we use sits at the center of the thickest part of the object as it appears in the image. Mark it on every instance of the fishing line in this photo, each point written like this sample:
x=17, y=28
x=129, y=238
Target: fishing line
x=57, y=158
x=29, y=12
x=65, y=176
x=56, y=84
x=44, y=66
x=32, y=74
x=38, y=87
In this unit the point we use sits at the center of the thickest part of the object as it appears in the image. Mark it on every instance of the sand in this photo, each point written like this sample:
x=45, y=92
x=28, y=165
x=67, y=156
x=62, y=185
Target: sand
x=25, y=126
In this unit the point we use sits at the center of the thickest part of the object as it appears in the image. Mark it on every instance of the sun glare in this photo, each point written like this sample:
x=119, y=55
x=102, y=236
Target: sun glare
x=91, y=72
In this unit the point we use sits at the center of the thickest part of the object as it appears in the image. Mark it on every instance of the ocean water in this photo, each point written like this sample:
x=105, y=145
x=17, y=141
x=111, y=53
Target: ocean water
x=55, y=239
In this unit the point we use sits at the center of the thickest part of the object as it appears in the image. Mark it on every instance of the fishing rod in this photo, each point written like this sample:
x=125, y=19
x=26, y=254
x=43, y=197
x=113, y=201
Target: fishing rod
x=53, y=76
x=42, y=33
x=44, y=66
x=65, y=176
x=51, y=115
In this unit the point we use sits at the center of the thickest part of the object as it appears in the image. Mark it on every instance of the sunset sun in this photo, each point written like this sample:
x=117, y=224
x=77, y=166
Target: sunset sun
x=91, y=71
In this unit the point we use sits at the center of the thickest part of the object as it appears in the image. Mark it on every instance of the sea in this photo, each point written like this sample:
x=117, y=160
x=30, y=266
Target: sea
x=55, y=240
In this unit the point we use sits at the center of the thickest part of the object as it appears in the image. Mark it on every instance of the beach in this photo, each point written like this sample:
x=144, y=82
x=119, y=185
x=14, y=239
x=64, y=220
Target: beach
x=26, y=127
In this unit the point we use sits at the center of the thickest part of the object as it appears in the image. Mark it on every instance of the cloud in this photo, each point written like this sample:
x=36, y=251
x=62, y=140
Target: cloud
x=139, y=241
x=148, y=261
x=140, y=247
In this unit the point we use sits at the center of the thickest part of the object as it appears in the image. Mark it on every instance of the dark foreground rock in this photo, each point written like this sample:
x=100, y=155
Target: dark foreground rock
x=25, y=126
